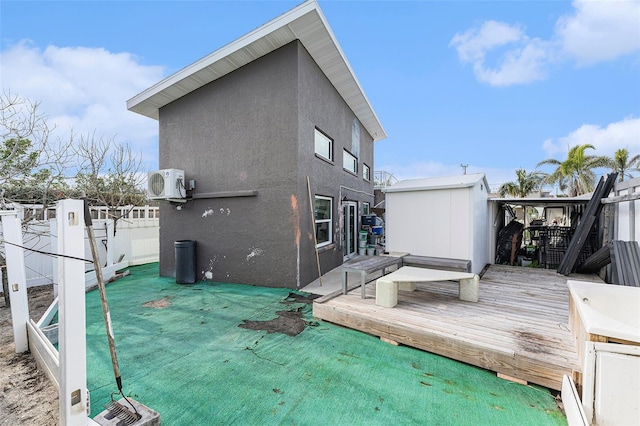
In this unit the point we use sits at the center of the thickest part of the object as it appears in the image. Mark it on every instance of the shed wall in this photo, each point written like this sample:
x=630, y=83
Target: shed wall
x=481, y=223
x=449, y=223
x=430, y=223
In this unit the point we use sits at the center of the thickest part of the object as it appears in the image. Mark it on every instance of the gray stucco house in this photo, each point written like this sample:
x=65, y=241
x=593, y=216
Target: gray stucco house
x=249, y=123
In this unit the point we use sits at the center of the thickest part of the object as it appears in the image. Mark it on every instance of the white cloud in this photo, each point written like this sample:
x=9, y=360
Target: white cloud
x=600, y=30
x=606, y=140
x=523, y=61
x=84, y=90
x=595, y=31
x=521, y=65
x=427, y=169
x=473, y=45
x=420, y=169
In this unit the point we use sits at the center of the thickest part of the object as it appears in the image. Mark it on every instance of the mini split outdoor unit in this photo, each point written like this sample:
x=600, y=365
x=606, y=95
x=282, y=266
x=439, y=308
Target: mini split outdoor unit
x=167, y=184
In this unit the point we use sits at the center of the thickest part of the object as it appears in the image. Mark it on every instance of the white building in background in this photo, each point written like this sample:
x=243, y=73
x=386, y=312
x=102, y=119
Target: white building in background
x=443, y=217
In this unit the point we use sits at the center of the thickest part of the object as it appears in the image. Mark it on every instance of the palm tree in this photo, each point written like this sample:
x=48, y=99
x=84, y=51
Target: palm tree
x=577, y=170
x=621, y=163
x=525, y=184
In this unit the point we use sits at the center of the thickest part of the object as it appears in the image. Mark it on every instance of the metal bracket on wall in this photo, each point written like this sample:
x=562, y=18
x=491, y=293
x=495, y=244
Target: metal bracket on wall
x=225, y=194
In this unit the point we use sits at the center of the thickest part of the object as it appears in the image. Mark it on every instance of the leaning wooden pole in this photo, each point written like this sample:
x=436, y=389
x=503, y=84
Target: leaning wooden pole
x=313, y=229
x=103, y=295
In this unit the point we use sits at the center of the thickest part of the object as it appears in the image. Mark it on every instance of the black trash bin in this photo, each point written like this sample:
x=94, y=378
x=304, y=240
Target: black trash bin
x=185, y=261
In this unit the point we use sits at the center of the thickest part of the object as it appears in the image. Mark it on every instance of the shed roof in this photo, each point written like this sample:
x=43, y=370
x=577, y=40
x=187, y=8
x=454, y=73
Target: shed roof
x=306, y=23
x=446, y=182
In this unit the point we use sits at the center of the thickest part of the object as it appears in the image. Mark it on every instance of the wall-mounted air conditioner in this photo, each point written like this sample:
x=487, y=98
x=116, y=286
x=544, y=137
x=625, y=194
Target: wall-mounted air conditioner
x=166, y=184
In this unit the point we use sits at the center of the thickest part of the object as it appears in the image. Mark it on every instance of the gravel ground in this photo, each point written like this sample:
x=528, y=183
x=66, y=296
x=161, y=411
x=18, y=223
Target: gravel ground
x=27, y=397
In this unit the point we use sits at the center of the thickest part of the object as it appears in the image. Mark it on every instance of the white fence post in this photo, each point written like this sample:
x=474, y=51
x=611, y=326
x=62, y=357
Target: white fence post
x=71, y=314
x=53, y=232
x=16, y=277
x=109, y=227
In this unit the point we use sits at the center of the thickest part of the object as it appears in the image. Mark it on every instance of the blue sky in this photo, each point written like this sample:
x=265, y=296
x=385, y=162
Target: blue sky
x=497, y=85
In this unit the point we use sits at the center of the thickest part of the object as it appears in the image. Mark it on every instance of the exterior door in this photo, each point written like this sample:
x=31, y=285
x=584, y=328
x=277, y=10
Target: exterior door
x=349, y=229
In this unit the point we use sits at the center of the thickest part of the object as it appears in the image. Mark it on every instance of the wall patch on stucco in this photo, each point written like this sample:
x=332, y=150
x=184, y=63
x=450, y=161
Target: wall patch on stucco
x=295, y=217
x=208, y=273
x=254, y=252
x=355, y=138
x=209, y=212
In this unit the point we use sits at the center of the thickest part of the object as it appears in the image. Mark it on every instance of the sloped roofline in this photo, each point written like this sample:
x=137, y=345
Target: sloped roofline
x=447, y=182
x=306, y=23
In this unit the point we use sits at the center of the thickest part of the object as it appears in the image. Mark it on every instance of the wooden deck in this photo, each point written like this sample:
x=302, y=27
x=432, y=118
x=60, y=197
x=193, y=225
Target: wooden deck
x=519, y=326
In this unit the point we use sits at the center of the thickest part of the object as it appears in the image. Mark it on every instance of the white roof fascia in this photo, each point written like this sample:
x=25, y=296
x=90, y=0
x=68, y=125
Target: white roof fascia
x=306, y=23
x=428, y=187
x=486, y=184
x=431, y=184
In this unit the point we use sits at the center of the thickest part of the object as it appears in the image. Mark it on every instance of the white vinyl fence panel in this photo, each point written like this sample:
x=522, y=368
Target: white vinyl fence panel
x=136, y=241
x=627, y=221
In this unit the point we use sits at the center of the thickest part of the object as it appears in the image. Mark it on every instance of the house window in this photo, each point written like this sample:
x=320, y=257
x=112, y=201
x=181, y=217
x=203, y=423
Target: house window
x=323, y=213
x=324, y=145
x=365, y=208
x=366, y=172
x=349, y=162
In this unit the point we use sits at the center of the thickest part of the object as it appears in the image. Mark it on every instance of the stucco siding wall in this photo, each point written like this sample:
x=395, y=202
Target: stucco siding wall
x=321, y=106
x=237, y=133
x=254, y=130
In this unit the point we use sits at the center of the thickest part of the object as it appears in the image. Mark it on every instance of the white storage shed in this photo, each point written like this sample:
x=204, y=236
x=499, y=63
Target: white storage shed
x=445, y=217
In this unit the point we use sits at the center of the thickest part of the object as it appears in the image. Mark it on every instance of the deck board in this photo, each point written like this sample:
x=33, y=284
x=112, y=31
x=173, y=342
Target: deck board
x=519, y=326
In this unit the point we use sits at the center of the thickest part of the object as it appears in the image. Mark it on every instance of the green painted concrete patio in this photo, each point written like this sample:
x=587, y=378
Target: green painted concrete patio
x=197, y=354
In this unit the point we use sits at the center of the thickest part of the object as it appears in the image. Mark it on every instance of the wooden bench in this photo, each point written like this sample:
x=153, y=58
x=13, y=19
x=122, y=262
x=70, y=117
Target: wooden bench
x=368, y=265
x=406, y=278
x=437, y=263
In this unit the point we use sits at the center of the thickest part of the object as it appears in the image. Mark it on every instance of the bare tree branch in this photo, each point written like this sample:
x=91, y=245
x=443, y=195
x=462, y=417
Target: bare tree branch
x=24, y=134
x=110, y=174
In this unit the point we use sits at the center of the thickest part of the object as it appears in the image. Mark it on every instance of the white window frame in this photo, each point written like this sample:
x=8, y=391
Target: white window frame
x=366, y=172
x=366, y=208
x=349, y=161
x=323, y=145
x=328, y=221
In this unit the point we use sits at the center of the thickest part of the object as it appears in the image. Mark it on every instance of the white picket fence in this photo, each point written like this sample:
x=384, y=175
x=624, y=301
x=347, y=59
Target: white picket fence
x=136, y=240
